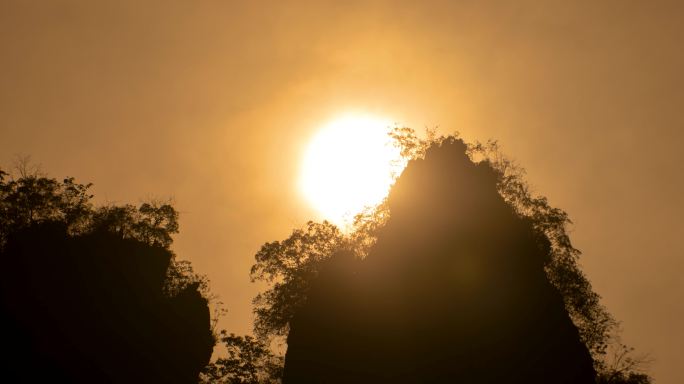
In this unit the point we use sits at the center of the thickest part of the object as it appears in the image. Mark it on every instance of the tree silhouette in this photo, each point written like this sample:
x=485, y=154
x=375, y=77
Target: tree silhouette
x=471, y=278
x=290, y=265
x=622, y=367
x=32, y=199
x=249, y=361
x=95, y=294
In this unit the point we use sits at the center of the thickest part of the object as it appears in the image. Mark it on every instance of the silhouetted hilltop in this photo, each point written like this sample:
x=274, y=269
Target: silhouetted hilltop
x=454, y=290
x=94, y=295
x=91, y=309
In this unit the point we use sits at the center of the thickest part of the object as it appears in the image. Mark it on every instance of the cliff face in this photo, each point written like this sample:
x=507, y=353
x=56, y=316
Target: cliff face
x=91, y=309
x=453, y=291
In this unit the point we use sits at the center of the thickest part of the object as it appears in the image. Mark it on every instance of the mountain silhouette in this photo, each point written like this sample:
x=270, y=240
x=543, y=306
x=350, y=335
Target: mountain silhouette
x=90, y=308
x=454, y=290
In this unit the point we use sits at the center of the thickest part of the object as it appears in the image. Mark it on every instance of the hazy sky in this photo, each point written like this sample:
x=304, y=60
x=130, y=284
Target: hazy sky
x=213, y=102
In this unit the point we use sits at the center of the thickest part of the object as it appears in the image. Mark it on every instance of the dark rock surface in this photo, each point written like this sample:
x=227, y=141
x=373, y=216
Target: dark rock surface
x=453, y=291
x=90, y=309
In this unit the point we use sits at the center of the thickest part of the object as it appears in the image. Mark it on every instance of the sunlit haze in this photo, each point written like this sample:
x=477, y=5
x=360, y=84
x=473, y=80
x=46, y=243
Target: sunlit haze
x=253, y=117
x=350, y=164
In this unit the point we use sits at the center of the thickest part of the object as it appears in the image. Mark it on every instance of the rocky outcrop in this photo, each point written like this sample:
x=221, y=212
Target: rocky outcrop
x=91, y=309
x=454, y=290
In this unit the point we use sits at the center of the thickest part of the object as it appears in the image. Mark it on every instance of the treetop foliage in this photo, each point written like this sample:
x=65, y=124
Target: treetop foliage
x=289, y=266
x=249, y=361
x=32, y=198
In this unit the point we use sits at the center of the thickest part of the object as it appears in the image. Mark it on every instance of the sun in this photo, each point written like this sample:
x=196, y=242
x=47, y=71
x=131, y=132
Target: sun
x=349, y=165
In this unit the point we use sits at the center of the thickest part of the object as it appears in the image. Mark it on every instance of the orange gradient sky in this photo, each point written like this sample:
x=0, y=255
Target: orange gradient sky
x=213, y=103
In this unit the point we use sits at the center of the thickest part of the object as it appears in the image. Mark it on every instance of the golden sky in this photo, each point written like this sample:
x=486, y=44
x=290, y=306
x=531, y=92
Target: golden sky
x=213, y=103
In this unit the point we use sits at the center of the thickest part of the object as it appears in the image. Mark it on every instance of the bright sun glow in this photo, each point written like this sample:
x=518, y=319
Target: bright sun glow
x=349, y=165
